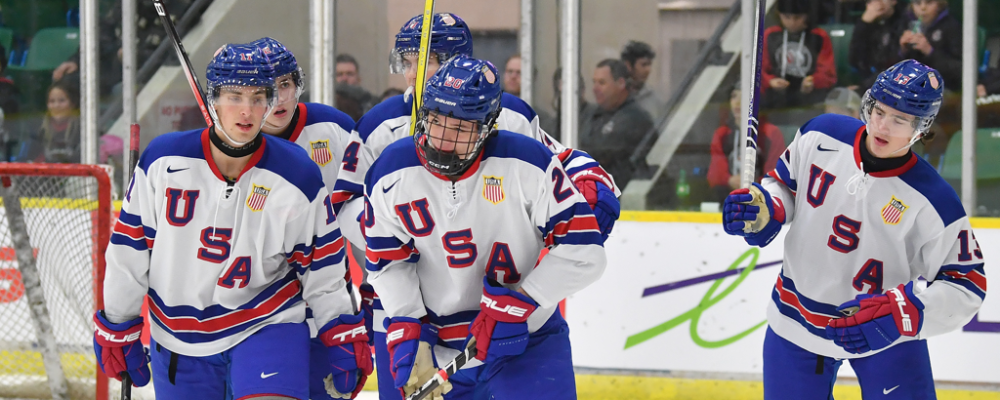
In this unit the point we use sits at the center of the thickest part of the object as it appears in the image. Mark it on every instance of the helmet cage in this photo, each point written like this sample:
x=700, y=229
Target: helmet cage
x=464, y=152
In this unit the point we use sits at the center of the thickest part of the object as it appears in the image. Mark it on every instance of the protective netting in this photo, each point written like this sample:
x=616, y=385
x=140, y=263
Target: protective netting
x=62, y=216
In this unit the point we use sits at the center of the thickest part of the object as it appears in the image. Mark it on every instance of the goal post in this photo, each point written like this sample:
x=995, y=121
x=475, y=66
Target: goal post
x=55, y=225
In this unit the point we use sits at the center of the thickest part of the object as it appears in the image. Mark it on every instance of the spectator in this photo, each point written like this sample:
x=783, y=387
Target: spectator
x=616, y=126
x=9, y=94
x=390, y=92
x=512, y=75
x=875, y=44
x=348, y=99
x=638, y=58
x=934, y=38
x=843, y=101
x=723, y=171
x=798, y=67
x=58, y=140
x=552, y=124
x=349, y=73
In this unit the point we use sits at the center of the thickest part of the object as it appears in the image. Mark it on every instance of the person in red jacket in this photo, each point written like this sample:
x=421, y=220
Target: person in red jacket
x=723, y=172
x=797, y=66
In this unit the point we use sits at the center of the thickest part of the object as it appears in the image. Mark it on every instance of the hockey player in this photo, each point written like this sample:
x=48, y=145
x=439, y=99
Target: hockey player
x=323, y=131
x=455, y=220
x=246, y=240
x=389, y=121
x=894, y=219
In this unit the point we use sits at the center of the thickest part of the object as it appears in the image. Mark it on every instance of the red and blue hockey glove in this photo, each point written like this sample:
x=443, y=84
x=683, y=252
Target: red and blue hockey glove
x=755, y=208
x=602, y=200
x=411, y=351
x=501, y=328
x=367, y=293
x=346, y=338
x=876, y=321
x=119, y=350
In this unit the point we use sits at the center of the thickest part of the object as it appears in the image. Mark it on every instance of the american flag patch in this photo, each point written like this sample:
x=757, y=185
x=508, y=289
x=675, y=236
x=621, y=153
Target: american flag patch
x=893, y=211
x=493, y=189
x=257, y=197
x=321, y=152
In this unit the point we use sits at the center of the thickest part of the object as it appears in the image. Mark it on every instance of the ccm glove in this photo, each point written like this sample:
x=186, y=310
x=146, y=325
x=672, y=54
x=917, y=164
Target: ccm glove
x=411, y=345
x=119, y=350
x=874, y=322
x=501, y=328
x=754, y=209
x=346, y=339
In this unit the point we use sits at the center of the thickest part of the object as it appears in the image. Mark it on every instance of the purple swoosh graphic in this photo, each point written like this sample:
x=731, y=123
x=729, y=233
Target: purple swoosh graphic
x=705, y=278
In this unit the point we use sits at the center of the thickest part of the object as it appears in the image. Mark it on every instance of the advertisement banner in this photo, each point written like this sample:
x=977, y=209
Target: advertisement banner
x=687, y=297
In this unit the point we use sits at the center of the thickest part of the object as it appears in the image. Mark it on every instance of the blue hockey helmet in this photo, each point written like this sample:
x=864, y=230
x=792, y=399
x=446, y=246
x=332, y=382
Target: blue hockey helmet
x=239, y=66
x=450, y=36
x=908, y=87
x=283, y=62
x=459, y=112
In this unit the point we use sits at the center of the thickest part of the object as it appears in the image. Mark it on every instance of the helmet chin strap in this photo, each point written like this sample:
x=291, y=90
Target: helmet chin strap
x=238, y=145
x=913, y=140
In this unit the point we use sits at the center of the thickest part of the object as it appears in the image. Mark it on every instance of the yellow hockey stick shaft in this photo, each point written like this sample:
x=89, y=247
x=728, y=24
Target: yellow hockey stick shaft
x=425, y=41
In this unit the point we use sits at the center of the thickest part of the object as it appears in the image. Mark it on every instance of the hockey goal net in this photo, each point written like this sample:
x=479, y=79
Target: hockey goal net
x=54, y=228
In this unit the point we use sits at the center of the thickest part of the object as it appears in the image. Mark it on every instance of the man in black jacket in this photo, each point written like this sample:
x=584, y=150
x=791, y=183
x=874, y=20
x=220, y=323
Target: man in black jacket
x=875, y=44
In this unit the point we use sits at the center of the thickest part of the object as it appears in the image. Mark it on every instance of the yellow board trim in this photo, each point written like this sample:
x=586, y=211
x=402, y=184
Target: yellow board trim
x=716, y=218
x=75, y=365
x=58, y=203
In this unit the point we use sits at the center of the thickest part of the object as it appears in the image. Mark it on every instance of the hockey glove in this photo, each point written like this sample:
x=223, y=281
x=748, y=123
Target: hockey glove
x=367, y=293
x=346, y=338
x=411, y=351
x=753, y=207
x=119, y=350
x=602, y=200
x=501, y=328
x=873, y=322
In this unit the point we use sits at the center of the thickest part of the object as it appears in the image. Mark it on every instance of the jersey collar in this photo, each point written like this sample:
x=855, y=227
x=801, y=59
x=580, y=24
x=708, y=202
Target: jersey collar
x=300, y=124
x=206, y=146
x=881, y=174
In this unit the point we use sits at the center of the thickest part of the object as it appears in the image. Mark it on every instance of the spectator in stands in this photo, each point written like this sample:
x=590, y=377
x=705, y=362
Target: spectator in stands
x=349, y=76
x=58, y=140
x=552, y=124
x=934, y=37
x=843, y=101
x=798, y=67
x=347, y=99
x=9, y=95
x=616, y=126
x=390, y=92
x=638, y=58
x=875, y=44
x=723, y=172
x=512, y=75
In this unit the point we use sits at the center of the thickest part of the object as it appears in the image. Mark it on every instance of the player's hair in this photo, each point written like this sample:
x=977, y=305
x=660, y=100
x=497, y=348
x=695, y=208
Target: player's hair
x=634, y=50
x=617, y=67
x=347, y=58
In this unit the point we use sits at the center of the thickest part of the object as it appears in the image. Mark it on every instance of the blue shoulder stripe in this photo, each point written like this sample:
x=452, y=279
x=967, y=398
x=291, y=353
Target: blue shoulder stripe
x=399, y=155
x=292, y=164
x=515, y=104
x=939, y=193
x=840, y=127
x=511, y=145
x=392, y=107
x=182, y=144
x=323, y=113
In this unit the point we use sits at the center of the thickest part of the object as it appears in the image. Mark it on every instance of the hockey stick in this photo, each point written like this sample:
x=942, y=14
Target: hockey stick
x=444, y=373
x=750, y=155
x=425, y=42
x=34, y=294
x=192, y=79
x=750, y=158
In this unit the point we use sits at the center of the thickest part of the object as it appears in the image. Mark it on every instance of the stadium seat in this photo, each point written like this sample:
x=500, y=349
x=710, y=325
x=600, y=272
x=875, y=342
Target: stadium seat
x=987, y=167
x=840, y=38
x=50, y=47
x=7, y=40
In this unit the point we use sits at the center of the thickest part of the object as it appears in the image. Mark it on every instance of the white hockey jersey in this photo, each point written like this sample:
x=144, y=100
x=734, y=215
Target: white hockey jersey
x=389, y=121
x=324, y=132
x=220, y=262
x=431, y=240
x=899, y=226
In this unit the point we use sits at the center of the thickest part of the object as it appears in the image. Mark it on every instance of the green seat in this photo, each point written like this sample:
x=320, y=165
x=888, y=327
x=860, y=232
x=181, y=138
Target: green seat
x=50, y=47
x=840, y=38
x=987, y=162
x=7, y=40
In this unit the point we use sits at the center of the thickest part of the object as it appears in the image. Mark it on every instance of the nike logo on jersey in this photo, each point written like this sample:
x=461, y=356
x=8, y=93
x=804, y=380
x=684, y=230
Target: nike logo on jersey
x=171, y=170
x=265, y=376
x=887, y=391
x=820, y=148
x=387, y=189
